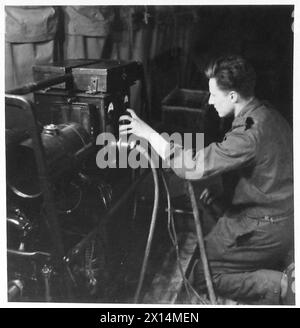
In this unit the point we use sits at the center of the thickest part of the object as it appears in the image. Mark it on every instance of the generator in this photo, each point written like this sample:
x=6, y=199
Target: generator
x=62, y=209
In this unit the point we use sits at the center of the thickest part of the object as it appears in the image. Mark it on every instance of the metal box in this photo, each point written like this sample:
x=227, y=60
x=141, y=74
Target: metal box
x=46, y=71
x=97, y=96
x=97, y=113
x=106, y=76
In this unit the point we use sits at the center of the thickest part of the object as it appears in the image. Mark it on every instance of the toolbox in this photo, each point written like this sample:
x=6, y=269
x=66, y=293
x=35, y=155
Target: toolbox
x=106, y=76
x=46, y=71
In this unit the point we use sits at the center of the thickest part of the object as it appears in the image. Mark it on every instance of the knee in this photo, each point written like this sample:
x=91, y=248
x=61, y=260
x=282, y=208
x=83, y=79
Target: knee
x=257, y=287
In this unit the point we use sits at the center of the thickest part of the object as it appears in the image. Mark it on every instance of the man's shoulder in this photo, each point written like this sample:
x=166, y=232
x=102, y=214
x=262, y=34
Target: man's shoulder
x=252, y=119
x=262, y=112
x=265, y=122
x=256, y=122
x=261, y=120
x=267, y=115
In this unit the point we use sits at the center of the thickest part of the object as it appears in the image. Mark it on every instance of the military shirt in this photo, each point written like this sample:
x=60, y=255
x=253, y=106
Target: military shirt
x=259, y=148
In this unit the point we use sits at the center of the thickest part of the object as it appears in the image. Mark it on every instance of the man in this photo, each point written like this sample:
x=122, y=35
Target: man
x=252, y=238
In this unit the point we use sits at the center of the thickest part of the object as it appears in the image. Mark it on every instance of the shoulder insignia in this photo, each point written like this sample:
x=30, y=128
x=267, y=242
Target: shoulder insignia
x=248, y=123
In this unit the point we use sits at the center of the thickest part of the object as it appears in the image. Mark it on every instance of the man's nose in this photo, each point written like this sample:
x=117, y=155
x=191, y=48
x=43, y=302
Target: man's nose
x=210, y=101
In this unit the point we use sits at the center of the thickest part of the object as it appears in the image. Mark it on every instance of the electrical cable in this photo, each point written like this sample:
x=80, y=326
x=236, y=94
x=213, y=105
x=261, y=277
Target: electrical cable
x=173, y=237
x=203, y=256
x=172, y=233
x=171, y=224
x=143, y=152
x=135, y=200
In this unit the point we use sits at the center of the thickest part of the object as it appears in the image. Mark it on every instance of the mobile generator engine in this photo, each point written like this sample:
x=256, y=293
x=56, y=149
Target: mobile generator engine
x=57, y=197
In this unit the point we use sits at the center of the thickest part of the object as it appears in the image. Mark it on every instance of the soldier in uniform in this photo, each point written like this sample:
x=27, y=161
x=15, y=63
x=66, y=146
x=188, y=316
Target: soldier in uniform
x=250, y=241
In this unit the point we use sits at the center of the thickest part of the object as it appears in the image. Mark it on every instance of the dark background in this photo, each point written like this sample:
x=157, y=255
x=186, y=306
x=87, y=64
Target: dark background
x=262, y=34
x=175, y=44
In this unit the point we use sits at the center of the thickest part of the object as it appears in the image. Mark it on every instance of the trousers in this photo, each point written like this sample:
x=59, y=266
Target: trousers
x=245, y=257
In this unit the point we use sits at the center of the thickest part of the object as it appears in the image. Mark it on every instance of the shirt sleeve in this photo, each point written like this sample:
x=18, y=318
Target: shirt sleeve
x=237, y=149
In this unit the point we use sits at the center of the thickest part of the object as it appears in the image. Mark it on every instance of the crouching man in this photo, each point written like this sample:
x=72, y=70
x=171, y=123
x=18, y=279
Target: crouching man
x=249, y=243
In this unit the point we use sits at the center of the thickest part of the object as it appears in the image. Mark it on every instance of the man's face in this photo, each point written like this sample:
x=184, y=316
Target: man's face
x=220, y=99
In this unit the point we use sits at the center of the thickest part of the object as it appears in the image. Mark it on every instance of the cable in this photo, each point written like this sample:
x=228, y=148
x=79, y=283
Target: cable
x=204, y=260
x=171, y=224
x=143, y=152
x=173, y=237
x=135, y=200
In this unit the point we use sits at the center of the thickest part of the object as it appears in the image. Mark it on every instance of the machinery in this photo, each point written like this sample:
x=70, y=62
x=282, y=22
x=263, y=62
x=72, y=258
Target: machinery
x=61, y=208
x=70, y=223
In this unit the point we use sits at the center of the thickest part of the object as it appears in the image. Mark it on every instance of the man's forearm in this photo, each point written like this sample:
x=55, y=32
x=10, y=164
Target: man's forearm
x=181, y=161
x=159, y=144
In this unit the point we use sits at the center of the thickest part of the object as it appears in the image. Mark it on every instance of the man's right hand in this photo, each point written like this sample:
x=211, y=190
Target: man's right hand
x=135, y=126
x=141, y=129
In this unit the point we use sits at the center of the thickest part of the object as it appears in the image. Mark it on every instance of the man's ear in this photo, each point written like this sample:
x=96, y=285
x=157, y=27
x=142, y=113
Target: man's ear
x=233, y=97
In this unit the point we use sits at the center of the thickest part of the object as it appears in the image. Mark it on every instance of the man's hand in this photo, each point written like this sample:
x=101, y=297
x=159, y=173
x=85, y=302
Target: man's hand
x=211, y=201
x=135, y=126
x=140, y=129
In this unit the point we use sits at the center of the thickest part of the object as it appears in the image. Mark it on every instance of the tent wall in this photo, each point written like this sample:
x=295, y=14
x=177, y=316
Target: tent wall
x=174, y=43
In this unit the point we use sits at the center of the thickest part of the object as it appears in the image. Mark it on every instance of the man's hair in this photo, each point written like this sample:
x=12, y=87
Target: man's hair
x=233, y=73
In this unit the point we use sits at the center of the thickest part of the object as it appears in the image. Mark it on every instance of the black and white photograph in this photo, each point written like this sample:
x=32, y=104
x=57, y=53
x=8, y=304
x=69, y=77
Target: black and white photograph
x=149, y=154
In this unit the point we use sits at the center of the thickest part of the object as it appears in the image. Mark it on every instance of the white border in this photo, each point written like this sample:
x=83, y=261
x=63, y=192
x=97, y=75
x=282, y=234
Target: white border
x=3, y=287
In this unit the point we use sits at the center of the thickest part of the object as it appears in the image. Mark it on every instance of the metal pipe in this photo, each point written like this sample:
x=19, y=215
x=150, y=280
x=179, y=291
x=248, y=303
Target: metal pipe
x=34, y=86
x=204, y=260
x=31, y=255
